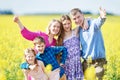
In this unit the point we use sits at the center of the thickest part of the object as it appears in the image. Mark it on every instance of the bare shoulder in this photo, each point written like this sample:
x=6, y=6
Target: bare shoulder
x=76, y=30
x=40, y=62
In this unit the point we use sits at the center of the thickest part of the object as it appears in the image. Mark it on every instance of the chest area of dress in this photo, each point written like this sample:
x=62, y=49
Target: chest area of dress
x=72, y=41
x=36, y=71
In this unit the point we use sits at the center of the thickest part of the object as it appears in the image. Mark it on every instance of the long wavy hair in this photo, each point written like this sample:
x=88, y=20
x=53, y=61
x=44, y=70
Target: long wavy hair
x=61, y=36
x=49, y=25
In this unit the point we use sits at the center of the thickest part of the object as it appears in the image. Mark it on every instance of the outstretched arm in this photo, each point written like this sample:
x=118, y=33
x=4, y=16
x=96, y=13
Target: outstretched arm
x=27, y=34
x=100, y=21
x=17, y=20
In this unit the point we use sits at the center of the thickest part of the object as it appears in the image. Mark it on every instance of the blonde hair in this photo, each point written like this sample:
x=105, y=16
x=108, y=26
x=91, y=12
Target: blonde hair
x=61, y=36
x=49, y=25
x=28, y=51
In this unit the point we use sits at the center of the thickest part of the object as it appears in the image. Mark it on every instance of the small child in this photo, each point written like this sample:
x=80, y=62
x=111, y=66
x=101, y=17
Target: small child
x=48, y=56
x=38, y=73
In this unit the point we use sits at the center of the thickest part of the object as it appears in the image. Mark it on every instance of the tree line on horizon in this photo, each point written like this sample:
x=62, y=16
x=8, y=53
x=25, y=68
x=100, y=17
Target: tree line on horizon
x=10, y=12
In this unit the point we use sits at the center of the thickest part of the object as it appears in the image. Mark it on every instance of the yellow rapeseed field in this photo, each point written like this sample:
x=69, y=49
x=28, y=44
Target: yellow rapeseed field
x=12, y=44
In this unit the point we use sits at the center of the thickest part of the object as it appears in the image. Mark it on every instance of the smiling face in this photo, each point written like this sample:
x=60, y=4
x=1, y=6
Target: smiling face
x=66, y=22
x=39, y=44
x=78, y=18
x=40, y=47
x=54, y=27
x=30, y=56
x=67, y=25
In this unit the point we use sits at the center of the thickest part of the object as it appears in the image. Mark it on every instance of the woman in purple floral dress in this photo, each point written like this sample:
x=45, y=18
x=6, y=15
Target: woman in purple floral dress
x=70, y=39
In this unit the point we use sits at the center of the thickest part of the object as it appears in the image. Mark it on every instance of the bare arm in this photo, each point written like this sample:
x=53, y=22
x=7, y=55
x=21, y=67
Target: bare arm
x=40, y=63
x=25, y=72
x=17, y=20
x=76, y=30
x=27, y=34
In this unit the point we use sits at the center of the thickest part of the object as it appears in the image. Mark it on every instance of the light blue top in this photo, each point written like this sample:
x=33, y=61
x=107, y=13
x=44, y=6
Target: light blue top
x=91, y=39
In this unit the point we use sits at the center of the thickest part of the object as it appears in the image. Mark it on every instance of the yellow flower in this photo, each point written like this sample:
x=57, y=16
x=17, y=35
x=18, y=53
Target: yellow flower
x=2, y=77
x=48, y=68
x=89, y=60
x=90, y=73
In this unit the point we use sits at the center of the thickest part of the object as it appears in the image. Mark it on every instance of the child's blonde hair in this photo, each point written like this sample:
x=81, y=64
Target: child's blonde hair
x=28, y=51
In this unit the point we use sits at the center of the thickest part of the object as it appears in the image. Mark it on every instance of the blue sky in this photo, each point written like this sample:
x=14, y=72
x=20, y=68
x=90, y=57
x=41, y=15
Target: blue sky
x=42, y=6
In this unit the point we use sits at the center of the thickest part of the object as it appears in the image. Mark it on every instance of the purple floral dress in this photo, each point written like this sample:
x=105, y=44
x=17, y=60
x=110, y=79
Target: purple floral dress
x=73, y=67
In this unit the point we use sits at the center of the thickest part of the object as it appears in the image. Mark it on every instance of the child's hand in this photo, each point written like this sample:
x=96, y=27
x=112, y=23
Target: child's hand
x=32, y=67
x=102, y=13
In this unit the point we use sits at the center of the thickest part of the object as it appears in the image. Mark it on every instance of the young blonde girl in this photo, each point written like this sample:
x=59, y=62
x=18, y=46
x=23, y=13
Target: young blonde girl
x=38, y=73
